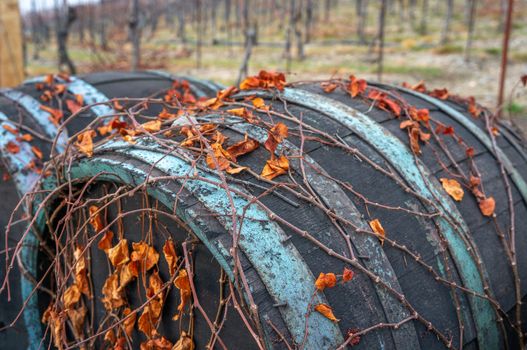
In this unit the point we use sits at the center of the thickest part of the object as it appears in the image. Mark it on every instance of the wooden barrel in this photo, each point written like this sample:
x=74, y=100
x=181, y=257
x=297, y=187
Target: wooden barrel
x=390, y=220
x=26, y=139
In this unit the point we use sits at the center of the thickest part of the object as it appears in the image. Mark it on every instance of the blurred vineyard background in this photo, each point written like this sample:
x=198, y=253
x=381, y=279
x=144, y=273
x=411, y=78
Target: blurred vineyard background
x=445, y=43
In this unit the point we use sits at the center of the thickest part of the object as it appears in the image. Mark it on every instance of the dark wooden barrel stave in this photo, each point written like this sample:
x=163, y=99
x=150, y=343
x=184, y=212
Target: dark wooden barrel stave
x=361, y=303
x=15, y=182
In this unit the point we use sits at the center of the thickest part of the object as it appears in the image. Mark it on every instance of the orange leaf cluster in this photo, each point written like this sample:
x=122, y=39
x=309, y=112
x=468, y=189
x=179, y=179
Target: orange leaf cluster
x=275, y=136
x=152, y=312
x=180, y=93
x=326, y=311
x=217, y=102
x=378, y=229
x=156, y=344
x=356, y=86
x=264, y=80
x=55, y=322
x=384, y=102
x=419, y=87
x=113, y=295
x=473, y=107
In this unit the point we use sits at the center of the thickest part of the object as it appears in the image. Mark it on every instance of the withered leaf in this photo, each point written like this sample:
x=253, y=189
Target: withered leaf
x=130, y=321
x=275, y=136
x=453, y=188
x=71, y=296
x=118, y=255
x=152, y=126
x=73, y=106
x=156, y=344
x=77, y=318
x=182, y=283
x=356, y=86
x=113, y=295
x=106, y=241
x=184, y=342
x=378, y=229
x=275, y=167
x=37, y=152
x=12, y=147
x=145, y=255
x=325, y=280
x=169, y=251
x=220, y=159
x=85, y=143
x=347, y=275
x=243, y=147
x=487, y=206
x=81, y=277
x=326, y=311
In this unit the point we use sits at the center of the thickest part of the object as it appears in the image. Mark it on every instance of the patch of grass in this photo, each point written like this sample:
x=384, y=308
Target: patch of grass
x=422, y=72
x=515, y=108
x=448, y=49
x=493, y=51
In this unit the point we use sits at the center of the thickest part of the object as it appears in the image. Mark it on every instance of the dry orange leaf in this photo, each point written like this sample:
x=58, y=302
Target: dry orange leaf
x=378, y=229
x=326, y=311
x=152, y=126
x=113, y=295
x=71, y=296
x=328, y=87
x=275, y=167
x=55, y=114
x=12, y=147
x=25, y=137
x=325, y=280
x=169, y=251
x=264, y=80
x=128, y=273
x=148, y=319
x=487, y=206
x=275, y=136
x=259, y=103
x=95, y=218
x=77, y=318
x=10, y=129
x=130, y=321
x=184, y=342
x=81, y=277
x=37, y=152
x=85, y=143
x=221, y=157
x=356, y=86
x=182, y=283
x=242, y=147
x=453, y=188
x=156, y=344
x=145, y=255
x=109, y=336
x=236, y=170
x=347, y=275
x=106, y=241
x=118, y=255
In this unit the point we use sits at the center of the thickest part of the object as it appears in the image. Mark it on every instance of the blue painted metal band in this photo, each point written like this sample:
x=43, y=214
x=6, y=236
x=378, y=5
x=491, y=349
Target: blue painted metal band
x=284, y=272
x=481, y=135
x=194, y=83
x=420, y=179
x=406, y=336
x=89, y=93
x=24, y=180
x=32, y=106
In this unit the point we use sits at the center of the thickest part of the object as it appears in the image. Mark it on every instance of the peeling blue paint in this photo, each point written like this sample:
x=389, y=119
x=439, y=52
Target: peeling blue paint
x=377, y=262
x=32, y=106
x=419, y=178
x=24, y=180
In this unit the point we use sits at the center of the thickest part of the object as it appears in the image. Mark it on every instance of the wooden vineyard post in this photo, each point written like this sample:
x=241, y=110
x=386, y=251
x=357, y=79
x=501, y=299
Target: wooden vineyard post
x=11, y=56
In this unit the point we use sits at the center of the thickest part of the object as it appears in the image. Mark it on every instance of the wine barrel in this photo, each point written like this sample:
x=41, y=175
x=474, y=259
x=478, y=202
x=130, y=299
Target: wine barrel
x=353, y=234
x=22, y=116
